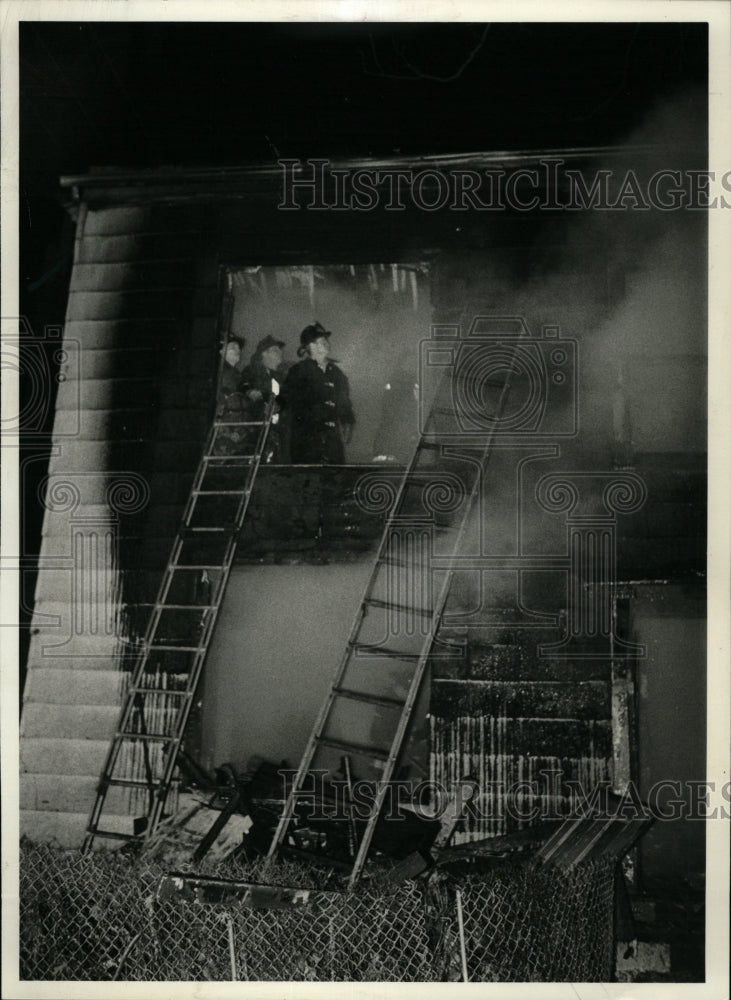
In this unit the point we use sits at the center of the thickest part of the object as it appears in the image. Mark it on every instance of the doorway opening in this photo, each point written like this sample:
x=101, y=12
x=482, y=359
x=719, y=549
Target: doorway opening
x=377, y=314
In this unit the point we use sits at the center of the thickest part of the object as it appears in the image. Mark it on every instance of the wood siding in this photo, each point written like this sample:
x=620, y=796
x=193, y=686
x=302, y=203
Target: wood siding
x=132, y=413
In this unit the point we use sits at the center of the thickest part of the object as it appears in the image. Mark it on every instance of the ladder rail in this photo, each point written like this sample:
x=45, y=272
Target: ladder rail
x=132, y=702
x=211, y=622
x=414, y=688
x=342, y=665
x=437, y=611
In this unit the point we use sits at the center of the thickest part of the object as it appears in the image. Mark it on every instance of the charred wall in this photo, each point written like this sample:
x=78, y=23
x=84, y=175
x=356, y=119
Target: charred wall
x=142, y=330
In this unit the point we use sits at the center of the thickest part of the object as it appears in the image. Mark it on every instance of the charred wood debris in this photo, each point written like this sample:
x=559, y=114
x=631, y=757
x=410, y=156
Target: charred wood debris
x=224, y=815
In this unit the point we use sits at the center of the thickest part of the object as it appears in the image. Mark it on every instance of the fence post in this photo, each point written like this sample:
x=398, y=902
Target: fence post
x=232, y=948
x=460, y=924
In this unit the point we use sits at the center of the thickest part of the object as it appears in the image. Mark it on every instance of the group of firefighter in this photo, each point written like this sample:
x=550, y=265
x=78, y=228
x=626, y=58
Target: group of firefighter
x=313, y=415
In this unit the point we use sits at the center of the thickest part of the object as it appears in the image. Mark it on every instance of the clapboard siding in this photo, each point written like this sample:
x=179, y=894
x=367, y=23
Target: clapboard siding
x=131, y=424
x=85, y=658
x=66, y=829
x=131, y=361
x=193, y=218
x=136, y=401
x=66, y=793
x=88, y=722
x=121, y=455
x=46, y=755
x=93, y=486
x=249, y=228
x=56, y=545
x=64, y=687
x=190, y=217
x=218, y=219
x=134, y=247
x=167, y=303
x=167, y=514
x=125, y=219
x=98, y=394
x=109, y=334
x=161, y=331
x=120, y=275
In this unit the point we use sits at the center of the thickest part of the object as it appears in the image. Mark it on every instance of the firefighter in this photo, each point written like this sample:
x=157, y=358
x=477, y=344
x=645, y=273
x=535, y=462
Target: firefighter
x=230, y=403
x=260, y=380
x=316, y=398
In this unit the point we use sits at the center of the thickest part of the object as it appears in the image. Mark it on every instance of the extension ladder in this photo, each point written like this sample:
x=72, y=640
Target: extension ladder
x=183, y=620
x=363, y=722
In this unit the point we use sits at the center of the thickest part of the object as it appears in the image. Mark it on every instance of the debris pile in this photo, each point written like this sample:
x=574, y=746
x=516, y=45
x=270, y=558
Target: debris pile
x=231, y=815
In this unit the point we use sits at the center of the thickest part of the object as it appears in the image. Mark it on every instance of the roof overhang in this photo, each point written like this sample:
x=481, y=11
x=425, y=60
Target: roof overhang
x=181, y=183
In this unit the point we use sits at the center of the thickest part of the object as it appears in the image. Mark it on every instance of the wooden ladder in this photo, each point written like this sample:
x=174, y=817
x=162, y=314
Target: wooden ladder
x=183, y=619
x=366, y=713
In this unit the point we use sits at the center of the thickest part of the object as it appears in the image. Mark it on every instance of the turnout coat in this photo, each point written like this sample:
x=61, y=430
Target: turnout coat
x=318, y=404
x=257, y=376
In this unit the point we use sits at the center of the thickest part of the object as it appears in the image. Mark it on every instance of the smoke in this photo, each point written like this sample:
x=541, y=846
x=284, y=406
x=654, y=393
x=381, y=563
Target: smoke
x=377, y=314
x=630, y=288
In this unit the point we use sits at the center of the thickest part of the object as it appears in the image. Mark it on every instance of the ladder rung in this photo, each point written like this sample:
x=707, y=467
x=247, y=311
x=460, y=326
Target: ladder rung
x=177, y=566
x=238, y=423
x=325, y=741
x=238, y=470
x=186, y=607
x=149, y=690
x=130, y=783
x=394, y=654
x=174, y=649
x=376, y=602
x=153, y=737
x=370, y=699
x=199, y=529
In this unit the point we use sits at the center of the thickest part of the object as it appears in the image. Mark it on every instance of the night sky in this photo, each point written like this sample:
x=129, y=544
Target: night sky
x=152, y=94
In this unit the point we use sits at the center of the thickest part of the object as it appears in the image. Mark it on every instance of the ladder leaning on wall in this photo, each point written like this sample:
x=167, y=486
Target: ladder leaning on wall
x=183, y=620
x=363, y=723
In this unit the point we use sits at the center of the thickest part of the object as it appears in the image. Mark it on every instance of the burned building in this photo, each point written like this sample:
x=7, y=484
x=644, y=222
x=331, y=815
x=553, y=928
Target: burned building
x=571, y=649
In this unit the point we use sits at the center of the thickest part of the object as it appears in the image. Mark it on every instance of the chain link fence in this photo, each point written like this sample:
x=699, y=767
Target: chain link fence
x=97, y=917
